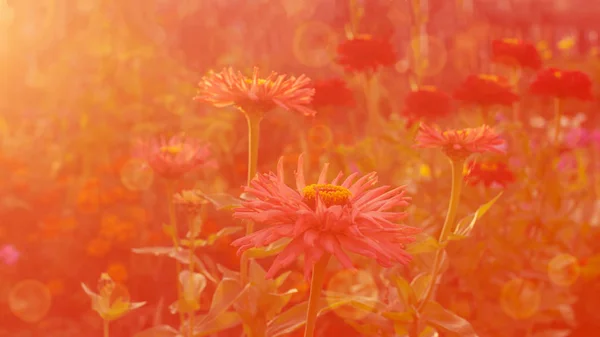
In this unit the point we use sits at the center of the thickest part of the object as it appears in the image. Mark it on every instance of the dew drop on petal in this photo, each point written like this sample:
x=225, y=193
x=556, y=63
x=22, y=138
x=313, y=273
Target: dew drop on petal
x=350, y=283
x=563, y=270
x=136, y=175
x=29, y=300
x=520, y=299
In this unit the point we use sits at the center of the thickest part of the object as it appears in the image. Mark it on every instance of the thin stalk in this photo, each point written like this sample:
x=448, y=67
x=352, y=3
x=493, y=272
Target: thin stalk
x=173, y=224
x=191, y=279
x=558, y=114
x=318, y=276
x=457, y=177
x=105, y=328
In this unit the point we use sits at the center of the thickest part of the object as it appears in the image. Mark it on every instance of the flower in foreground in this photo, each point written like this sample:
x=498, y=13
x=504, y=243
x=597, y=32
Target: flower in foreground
x=365, y=53
x=562, y=84
x=112, y=300
x=486, y=90
x=254, y=95
x=173, y=157
x=326, y=217
x=460, y=144
x=516, y=53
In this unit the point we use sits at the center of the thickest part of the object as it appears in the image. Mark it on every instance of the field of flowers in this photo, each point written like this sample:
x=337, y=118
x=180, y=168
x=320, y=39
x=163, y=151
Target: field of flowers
x=376, y=168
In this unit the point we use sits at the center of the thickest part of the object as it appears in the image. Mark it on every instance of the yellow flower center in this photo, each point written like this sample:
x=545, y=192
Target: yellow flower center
x=511, y=41
x=329, y=194
x=557, y=74
x=491, y=78
x=460, y=133
x=260, y=81
x=172, y=149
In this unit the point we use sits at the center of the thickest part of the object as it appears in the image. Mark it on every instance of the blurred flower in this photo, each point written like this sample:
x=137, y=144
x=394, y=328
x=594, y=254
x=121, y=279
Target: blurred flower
x=190, y=199
x=98, y=247
x=255, y=95
x=489, y=172
x=365, y=53
x=332, y=92
x=581, y=137
x=460, y=144
x=112, y=300
x=118, y=272
x=326, y=218
x=113, y=227
x=175, y=156
x=427, y=103
x=557, y=83
x=516, y=53
x=9, y=254
x=486, y=90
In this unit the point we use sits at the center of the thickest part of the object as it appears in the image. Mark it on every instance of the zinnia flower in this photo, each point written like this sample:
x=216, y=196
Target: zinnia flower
x=460, y=144
x=365, y=53
x=489, y=173
x=516, y=53
x=320, y=218
x=557, y=83
x=427, y=103
x=255, y=95
x=332, y=92
x=486, y=90
x=173, y=157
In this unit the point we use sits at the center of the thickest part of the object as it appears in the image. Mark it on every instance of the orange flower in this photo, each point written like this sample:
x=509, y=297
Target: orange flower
x=112, y=227
x=364, y=53
x=427, y=103
x=254, y=95
x=516, y=53
x=460, y=144
x=557, y=83
x=98, y=247
x=118, y=272
x=489, y=173
x=486, y=90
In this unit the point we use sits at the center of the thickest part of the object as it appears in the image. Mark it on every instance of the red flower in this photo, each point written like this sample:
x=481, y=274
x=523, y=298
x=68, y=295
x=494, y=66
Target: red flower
x=557, y=83
x=516, y=53
x=332, y=92
x=459, y=144
x=254, y=95
x=327, y=217
x=365, y=53
x=486, y=90
x=173, y=157
x=427, y=103
x=489, y=173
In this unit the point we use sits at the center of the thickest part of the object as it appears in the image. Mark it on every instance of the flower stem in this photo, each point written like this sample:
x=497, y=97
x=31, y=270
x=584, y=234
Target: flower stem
x=318, y=276
x=457, y=177
x=105, y=328
x=191, y=279
x=173, y=224
x=558, y=115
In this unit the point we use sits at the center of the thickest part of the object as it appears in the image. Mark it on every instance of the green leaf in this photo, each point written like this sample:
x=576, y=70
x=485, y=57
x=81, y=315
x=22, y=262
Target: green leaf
x=182, y=255
x=212, y=238
x=420, y=284
x=224, y=321
x=439, y=317
x=270, y=250
x=222, y=201
x=405, y=291
x=424, y=244
x=466, y=225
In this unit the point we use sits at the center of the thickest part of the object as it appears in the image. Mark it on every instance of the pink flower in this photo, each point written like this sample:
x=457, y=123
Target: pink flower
x=9, y=255
x=335, y=218
x=460, y=144
x=173, y=157
x=254, y=95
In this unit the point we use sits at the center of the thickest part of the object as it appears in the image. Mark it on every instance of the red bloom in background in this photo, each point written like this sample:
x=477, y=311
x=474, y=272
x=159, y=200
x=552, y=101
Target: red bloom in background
x=332, y=92
x=459, y=144
x=516, y=53
x=489, y=173
x=486, y=90
x=255, y=95
x=427, y=103
x=558, y=83
x=365, y=53
x=173, y=157
x=336, y=217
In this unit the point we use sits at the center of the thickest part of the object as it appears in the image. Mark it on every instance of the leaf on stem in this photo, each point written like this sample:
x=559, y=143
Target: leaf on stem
x=212, y=238
x=424, y=244
x=270, y=250
x=466, y=225
x=420, y=284
x=222, y=201
x=439, y=317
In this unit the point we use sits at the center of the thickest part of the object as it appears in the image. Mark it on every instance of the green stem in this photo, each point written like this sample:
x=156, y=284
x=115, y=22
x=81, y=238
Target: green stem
x=173, y=224
x=191, y=278
x=318, y=276
x=372, y=102
x=457, y=177
x=105, y=328
x=558, y=114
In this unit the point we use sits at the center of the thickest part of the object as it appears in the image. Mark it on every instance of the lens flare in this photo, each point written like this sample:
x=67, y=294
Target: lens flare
x=520, y=299
x=136, y=175
x=29, y=300
x=320, y=136
x=564, y=270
